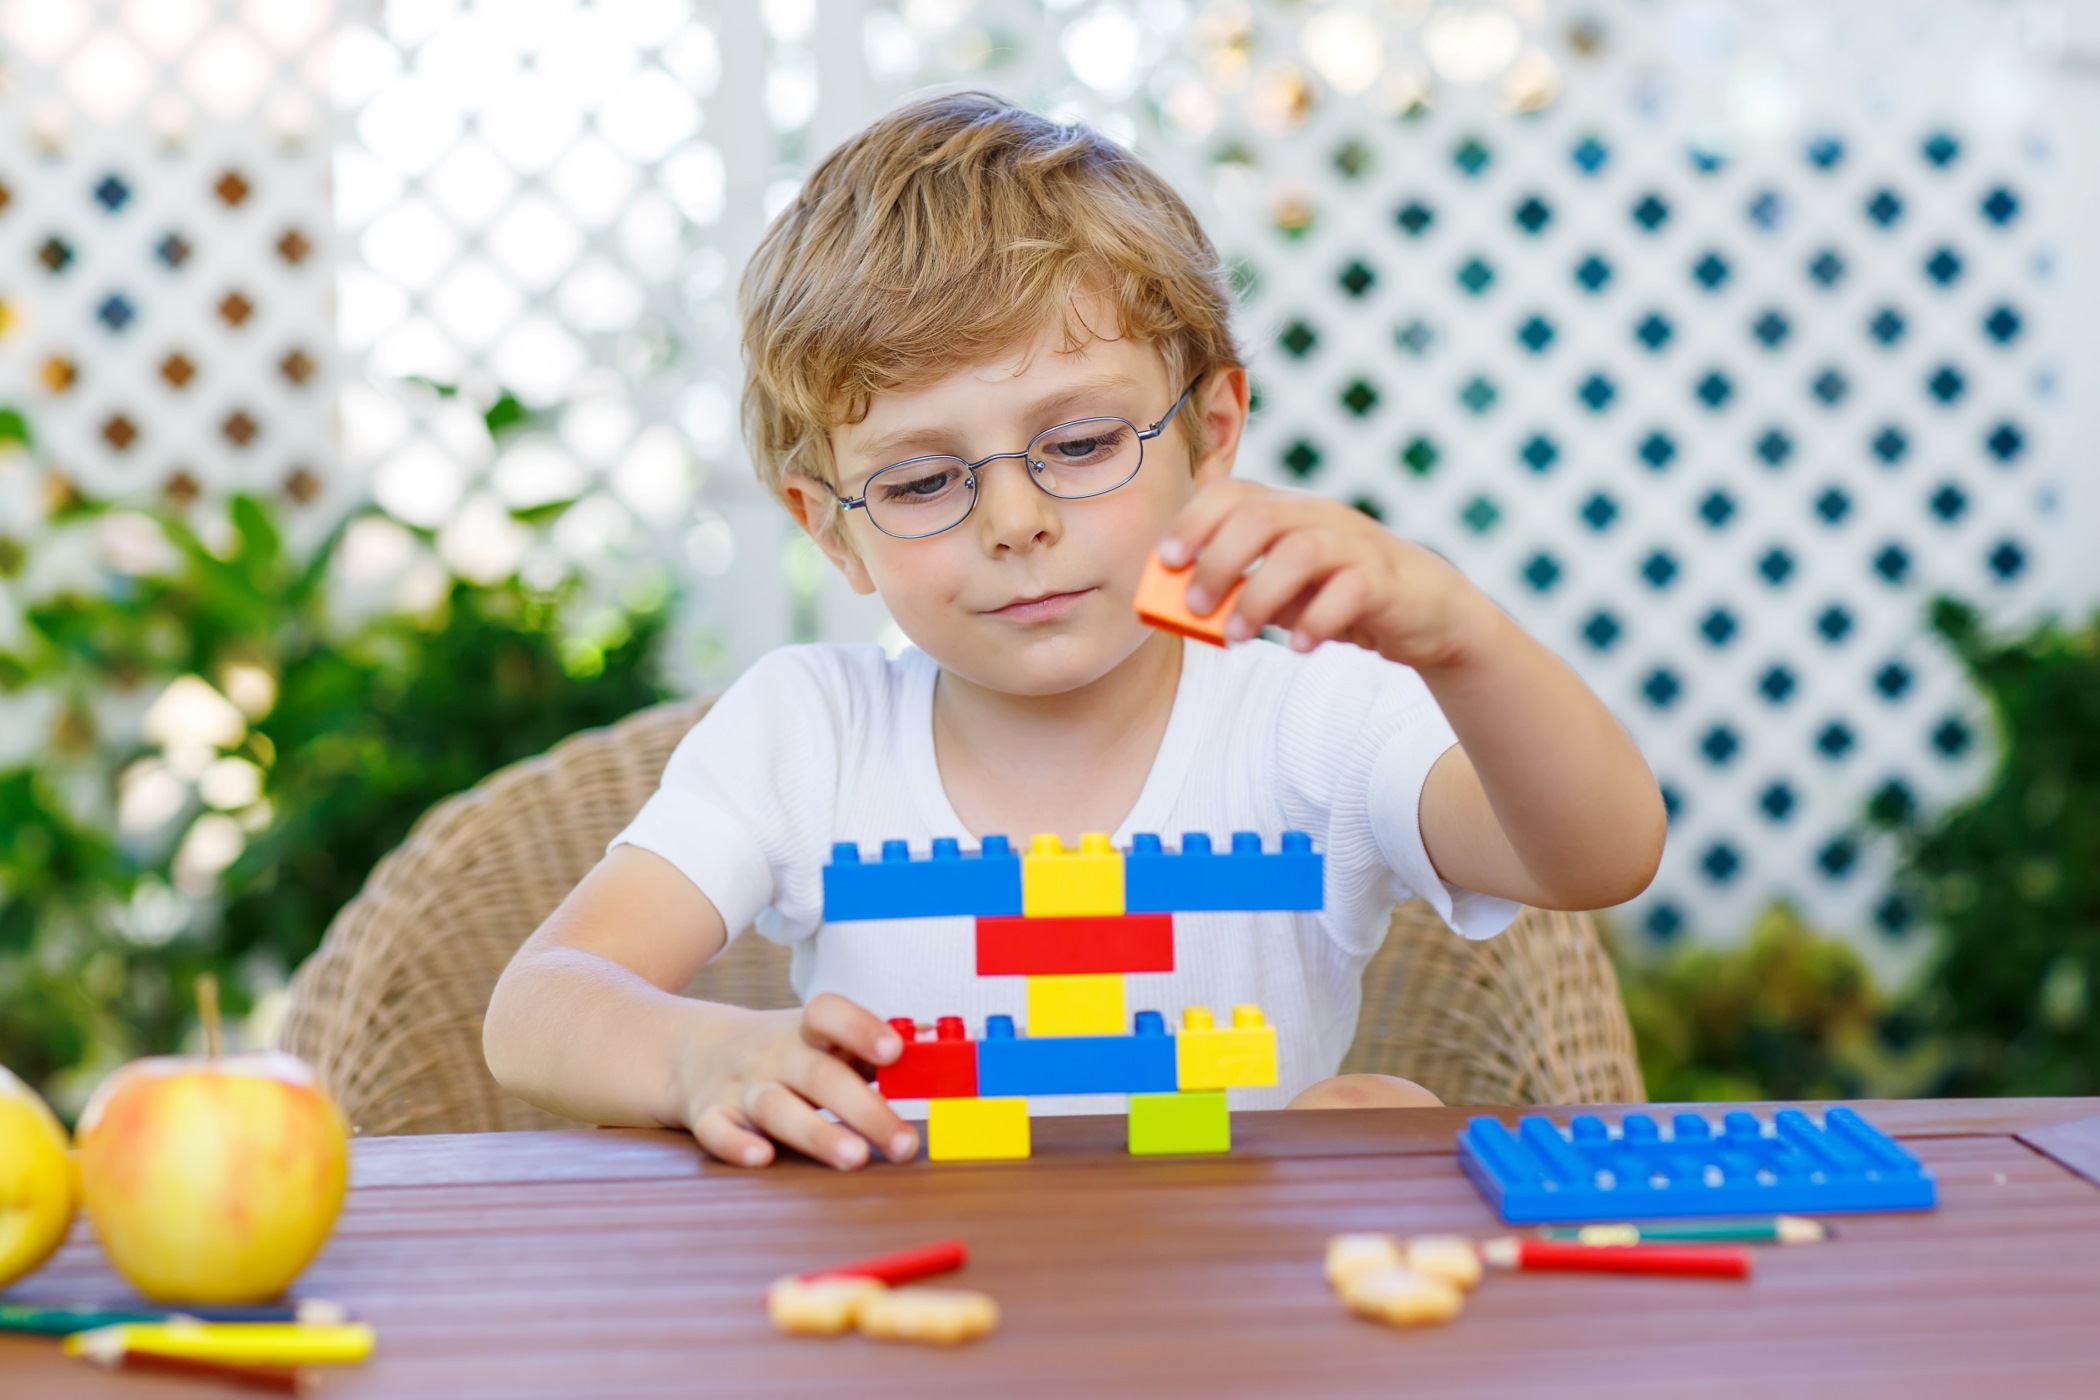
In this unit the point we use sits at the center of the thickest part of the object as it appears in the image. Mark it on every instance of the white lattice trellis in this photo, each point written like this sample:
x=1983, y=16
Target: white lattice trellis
x=164, y=238
x=1712, y=363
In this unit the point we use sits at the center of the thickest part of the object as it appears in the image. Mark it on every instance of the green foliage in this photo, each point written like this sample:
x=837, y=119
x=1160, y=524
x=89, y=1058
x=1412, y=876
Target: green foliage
x=2010, y=878
x=353, y=728
x=1784, y=1014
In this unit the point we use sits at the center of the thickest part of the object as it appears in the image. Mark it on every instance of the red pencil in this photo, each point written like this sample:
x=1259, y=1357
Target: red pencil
x=285, y=1380
x=903, y=1266
x=1527, y=1254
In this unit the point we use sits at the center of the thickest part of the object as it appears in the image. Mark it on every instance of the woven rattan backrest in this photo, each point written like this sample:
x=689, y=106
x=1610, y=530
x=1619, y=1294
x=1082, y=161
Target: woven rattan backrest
x=390, y=1007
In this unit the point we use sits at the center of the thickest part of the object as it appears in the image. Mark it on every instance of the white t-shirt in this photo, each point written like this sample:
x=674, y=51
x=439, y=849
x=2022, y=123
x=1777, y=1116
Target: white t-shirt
x=824, y=743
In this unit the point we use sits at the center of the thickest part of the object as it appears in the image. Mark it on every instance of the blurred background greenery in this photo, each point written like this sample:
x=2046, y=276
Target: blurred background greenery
x=237, y=747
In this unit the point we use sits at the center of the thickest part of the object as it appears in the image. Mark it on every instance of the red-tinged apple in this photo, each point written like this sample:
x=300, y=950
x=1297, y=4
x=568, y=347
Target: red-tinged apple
x=37, y=1187
x=213, y=1180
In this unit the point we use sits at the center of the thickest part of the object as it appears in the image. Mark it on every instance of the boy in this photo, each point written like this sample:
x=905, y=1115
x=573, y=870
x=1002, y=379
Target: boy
x=961, y=279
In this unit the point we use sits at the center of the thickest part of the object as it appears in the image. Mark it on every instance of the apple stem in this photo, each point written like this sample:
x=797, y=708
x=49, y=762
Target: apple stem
x=208, y=1012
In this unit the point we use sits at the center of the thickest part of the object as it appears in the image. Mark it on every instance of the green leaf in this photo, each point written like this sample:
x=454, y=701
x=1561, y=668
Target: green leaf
x=543, y=513
x=14, y=428
x=507, y=414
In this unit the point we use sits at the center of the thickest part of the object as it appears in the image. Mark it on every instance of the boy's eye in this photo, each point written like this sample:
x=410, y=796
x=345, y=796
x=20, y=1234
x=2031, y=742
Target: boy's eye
x=917, y=485
x=1089, y=443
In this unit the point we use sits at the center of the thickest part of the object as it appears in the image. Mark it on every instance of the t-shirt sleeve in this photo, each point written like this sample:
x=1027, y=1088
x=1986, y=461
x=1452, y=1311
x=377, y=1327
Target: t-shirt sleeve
x=1358, y=739
x=748, y=794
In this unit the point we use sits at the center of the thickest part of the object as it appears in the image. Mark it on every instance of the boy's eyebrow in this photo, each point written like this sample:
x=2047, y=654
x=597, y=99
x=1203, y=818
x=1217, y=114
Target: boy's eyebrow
x=904, y=442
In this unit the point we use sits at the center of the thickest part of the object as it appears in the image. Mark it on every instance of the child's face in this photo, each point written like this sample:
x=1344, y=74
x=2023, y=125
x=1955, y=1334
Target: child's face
x=1031, y=594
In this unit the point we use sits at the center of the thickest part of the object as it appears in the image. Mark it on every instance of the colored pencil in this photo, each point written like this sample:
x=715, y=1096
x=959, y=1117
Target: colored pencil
x=281, y=1379
x=63, y=1321
x=255, y=1343
x=1524, y=1254
x=1777, y=1229
x=903, y=1266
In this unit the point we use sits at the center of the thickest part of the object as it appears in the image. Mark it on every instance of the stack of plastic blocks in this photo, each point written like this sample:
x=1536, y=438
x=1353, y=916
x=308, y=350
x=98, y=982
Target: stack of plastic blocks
x=1075, y=923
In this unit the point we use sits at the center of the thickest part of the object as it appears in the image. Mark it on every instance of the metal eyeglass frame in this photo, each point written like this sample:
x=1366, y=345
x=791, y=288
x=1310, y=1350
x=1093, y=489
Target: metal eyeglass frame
x=1144, y=435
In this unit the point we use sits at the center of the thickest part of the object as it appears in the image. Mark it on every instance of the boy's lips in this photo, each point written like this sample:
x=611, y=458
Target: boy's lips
x=1041, y=608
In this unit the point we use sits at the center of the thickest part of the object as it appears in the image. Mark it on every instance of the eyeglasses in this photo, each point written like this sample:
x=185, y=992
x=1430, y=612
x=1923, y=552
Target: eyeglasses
x=923, y=496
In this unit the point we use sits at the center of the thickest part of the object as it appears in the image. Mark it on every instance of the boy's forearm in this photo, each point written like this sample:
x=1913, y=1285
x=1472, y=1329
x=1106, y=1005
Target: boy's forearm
x=1575, y=807
x=585, y=1038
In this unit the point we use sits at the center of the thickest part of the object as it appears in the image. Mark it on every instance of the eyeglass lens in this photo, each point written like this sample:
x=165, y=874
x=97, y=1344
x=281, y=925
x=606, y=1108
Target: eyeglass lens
x=1071, y=460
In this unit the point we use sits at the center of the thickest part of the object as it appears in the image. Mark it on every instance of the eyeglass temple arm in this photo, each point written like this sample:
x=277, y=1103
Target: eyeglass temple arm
x=1161, y=426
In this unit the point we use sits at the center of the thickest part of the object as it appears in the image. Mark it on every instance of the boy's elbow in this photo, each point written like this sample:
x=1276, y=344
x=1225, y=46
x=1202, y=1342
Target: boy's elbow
x=502, y=1039
x=1620, y=874
x=1640, y=856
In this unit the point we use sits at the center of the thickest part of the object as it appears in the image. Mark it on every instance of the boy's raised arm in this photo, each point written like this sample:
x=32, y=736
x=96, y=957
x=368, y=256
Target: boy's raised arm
x=1546, y=800
x=587, y=1022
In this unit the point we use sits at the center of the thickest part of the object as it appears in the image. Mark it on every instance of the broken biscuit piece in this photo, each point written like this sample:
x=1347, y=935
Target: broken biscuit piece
x=1351, y=1255
x=819, y=1307
x=1452, y=1258
x=1402, y=1298
x=943, y=1316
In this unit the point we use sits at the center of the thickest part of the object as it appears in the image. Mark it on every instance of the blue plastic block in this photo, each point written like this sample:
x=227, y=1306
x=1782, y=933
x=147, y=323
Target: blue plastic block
x=1075, y=1064
x=1195, y=879
x=900, y=887
x=1539, y=1173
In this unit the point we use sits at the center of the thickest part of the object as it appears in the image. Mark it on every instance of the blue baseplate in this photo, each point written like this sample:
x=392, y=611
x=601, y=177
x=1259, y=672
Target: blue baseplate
x=1540, y=1174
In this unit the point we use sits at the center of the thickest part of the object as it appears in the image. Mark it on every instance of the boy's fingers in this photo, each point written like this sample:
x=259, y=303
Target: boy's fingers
x=830, y=1022
x=828, y=1083
x=786, y=1117
x=1192, y=529
x=1240, y=539
x=1291, y=567
x=1339, y=603
x=723, y=1133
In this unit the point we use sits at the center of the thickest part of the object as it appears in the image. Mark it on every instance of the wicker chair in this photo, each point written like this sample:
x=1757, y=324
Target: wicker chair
x=389, y=1009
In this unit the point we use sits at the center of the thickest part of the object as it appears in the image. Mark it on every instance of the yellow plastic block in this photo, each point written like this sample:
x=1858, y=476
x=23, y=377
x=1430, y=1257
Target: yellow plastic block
x=1242, y=1056
x=976, y=1130
x=1085, y=1003
x=1056, y=882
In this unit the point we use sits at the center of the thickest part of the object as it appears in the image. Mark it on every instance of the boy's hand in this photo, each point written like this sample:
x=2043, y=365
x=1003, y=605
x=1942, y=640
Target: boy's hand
x=765, y=1080
x=1328, y=573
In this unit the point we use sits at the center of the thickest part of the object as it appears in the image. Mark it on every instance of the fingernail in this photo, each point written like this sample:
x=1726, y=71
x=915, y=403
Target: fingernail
x=1173, y=553
x=887, y=1045
x=1198, y=599
x=1239, y=629
x=903, y=1147
x=852, y=1152
x=754, y=1156
x=1301, y=642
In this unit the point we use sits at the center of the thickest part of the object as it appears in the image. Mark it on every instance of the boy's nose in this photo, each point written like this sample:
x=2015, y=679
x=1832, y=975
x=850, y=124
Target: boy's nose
x=1013, y=513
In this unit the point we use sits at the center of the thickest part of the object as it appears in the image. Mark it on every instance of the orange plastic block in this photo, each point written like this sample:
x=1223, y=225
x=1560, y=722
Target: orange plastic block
x=1162, y=601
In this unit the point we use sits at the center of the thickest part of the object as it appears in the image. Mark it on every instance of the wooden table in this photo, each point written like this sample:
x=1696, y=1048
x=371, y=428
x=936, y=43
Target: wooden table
x=604, y=1264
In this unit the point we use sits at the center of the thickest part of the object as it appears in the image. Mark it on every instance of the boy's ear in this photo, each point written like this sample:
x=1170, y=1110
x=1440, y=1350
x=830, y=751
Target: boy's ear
x=815, y=509
x=1221, y=402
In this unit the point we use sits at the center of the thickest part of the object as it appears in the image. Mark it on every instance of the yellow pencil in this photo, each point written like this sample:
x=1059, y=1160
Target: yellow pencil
x=261, y=1343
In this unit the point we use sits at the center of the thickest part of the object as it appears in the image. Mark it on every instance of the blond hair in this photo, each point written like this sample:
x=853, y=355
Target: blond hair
x=947, y=233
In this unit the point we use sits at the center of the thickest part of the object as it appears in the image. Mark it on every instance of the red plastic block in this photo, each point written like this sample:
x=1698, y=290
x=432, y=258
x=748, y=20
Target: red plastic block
x=944, y=1067
x=1074, y=943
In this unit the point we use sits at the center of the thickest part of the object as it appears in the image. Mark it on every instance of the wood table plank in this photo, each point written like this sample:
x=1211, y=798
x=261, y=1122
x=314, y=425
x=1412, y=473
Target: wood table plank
x=633, y=1154
x=2075, y=1144
x=619, y=1265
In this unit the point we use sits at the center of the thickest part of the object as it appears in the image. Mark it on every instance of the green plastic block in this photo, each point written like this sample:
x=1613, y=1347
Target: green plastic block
x=1165, y=1123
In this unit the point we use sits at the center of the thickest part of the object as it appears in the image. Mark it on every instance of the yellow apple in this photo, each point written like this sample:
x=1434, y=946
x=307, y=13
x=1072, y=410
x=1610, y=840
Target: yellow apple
x=37, y=1189
x=213, y=1180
